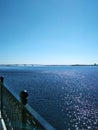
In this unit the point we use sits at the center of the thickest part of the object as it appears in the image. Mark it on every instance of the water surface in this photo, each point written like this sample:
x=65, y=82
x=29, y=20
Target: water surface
x=66, y=96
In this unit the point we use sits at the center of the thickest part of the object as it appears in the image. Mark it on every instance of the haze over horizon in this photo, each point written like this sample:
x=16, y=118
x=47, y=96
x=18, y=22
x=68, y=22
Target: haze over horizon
x=49, y=32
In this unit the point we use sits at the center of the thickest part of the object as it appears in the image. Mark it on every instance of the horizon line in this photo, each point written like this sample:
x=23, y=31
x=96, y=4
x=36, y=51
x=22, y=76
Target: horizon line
x=13, y=64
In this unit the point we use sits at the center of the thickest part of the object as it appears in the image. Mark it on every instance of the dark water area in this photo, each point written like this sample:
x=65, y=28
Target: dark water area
x=66, y=96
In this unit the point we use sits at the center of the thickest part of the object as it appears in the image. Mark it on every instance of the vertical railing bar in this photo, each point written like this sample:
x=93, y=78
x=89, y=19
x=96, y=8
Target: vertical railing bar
x=23, y=98
x=2, y=81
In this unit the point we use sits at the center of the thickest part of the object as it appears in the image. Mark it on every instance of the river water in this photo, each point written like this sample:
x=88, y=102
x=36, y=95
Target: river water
x=66, y=96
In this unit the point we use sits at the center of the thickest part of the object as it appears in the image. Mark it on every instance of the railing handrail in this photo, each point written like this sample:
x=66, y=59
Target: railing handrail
x=29, y=109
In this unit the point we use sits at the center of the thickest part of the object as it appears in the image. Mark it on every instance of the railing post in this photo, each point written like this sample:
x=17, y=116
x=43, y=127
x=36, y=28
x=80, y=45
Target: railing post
x=1, y=80
x=23, y=98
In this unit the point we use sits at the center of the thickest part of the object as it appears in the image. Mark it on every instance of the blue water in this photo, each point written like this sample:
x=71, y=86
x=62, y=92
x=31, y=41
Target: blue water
x=66, y=96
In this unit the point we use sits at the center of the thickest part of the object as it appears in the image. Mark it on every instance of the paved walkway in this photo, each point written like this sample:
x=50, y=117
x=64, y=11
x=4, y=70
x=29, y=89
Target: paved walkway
x=2, y=124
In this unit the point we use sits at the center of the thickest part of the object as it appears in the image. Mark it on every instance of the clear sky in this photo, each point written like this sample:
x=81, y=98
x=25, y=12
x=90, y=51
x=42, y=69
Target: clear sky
x=48, y=31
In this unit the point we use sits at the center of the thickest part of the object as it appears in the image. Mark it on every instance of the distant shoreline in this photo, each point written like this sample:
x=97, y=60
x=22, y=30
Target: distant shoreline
x=34, y=65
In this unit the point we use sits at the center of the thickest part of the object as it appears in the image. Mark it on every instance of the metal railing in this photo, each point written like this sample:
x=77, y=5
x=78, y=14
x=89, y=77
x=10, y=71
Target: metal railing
x=17, y=114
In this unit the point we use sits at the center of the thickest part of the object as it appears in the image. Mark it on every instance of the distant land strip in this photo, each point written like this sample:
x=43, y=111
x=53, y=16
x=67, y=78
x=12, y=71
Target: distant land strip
x=48, y=65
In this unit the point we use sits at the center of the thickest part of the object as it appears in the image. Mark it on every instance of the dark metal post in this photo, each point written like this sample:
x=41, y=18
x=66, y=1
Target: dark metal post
x=1, y=80
x=23, y=98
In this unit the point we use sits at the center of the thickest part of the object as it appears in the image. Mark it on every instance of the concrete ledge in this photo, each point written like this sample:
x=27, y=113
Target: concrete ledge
x=2, y=123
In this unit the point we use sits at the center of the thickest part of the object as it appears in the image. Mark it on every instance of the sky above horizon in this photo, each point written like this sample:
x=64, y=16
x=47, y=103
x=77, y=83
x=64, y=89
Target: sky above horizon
x=48, y=31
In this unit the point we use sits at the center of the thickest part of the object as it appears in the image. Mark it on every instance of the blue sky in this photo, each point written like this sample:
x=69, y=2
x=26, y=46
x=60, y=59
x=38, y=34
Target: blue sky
x=48, y=31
